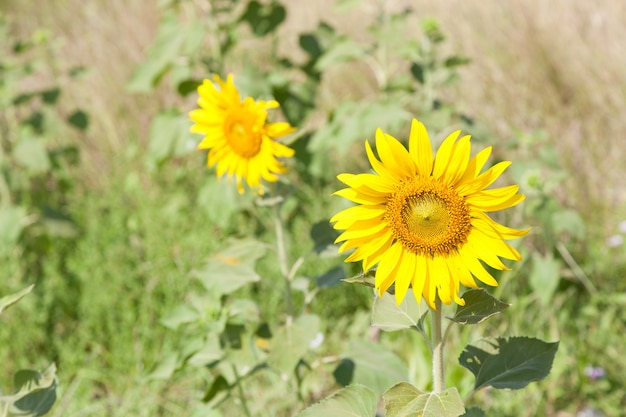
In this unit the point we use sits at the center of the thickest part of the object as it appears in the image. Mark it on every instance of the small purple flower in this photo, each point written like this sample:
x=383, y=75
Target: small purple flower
x=595, y=372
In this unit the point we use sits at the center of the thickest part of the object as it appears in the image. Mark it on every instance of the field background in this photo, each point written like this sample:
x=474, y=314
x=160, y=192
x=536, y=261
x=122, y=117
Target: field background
x=552, y=73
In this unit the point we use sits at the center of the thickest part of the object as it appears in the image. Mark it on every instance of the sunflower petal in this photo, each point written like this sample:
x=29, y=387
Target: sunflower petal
x=420, y=149
x=384, y=277
x=444, y=154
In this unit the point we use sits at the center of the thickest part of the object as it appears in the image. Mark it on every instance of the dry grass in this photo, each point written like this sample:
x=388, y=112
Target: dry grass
x=557, y=66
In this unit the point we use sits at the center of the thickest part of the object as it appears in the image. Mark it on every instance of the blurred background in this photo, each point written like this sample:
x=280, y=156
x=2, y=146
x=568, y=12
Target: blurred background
x=107, y=207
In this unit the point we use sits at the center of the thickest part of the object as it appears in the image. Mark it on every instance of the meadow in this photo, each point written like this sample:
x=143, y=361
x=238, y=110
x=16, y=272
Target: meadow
x=110, y=210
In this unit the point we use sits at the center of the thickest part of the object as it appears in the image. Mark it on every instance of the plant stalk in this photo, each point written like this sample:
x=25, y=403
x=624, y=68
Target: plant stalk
x=281, y=248
x=438, y=342
x=240, y=393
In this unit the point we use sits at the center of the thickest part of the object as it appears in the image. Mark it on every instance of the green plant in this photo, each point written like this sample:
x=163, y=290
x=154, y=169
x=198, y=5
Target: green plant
x=35, y=392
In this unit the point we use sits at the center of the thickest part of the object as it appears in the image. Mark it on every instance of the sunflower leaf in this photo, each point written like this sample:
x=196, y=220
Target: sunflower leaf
x=292, y=341
x=479, y=306
x=370, y=364
x=509, y=363
x=8, y=300
x=367, y=278
x=232, y=268
x=389, y=316
x=354, y=400
x=404, y=400
x=35, y=392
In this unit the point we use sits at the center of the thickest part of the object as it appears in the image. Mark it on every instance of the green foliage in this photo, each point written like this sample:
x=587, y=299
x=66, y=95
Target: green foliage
x=388, y=315
x=8, y=300
x=292, y=341
x=509, y=363
x=404, y=400
x=353, y=400
x=371, y=365
x=479, y=306
x=35, y=392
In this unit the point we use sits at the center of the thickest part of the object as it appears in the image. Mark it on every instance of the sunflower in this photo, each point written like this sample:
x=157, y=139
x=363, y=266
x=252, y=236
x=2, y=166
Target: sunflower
x=423, y=220
x=240, y=140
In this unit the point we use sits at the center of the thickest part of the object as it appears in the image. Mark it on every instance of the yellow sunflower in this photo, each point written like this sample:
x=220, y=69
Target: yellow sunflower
x=240, y=140
x=423, y=220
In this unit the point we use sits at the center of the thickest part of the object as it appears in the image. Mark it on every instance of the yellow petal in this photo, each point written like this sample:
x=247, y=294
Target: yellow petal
x=358, y=213
x=476, y=268
x=384, y=277
x=484, y=180
x=444, y=154
x=373, y=182
x=387, y=156
x=401, y=157
x=361, y=229
x=360, y=198
x=373, y=258
x=421, y=272
x=420, y=149
x=503, y=231
x=458, y=164
x=406, y=272
x=440, y=276
x=377, y=165
x=458, y=269
x=483, y=248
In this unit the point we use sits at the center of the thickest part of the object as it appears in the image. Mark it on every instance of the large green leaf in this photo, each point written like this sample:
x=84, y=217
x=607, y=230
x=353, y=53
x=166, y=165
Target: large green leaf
x=264, y=18
x=370, y=364
x=211, y=352
x=389, y=316
x=180, y=315
x=232, y=268
x=35, y=392
x=404, y=400
x=479, y=306
x=8, y=300
x=352, y=401
x=508, y=362
x=291, y=342
x=31, y=153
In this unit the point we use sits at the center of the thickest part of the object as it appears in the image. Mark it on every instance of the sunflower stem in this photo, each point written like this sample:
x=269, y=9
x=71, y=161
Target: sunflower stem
x=281, y=248
x=438, y=379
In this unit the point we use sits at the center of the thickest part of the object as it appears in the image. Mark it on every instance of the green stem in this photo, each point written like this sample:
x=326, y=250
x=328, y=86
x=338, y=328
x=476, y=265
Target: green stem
x=438, y=379
x=240, y=393
x=281, y=247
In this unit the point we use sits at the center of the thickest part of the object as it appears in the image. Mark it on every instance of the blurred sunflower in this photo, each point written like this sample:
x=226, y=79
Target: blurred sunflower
x=240, y=140
x=422, y=219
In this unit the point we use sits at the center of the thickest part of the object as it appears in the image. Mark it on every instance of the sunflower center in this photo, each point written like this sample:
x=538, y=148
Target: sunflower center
x=242, y=134
x=427, y=217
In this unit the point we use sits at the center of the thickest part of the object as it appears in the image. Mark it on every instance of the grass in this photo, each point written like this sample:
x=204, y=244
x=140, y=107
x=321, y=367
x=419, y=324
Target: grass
x=555, y=67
